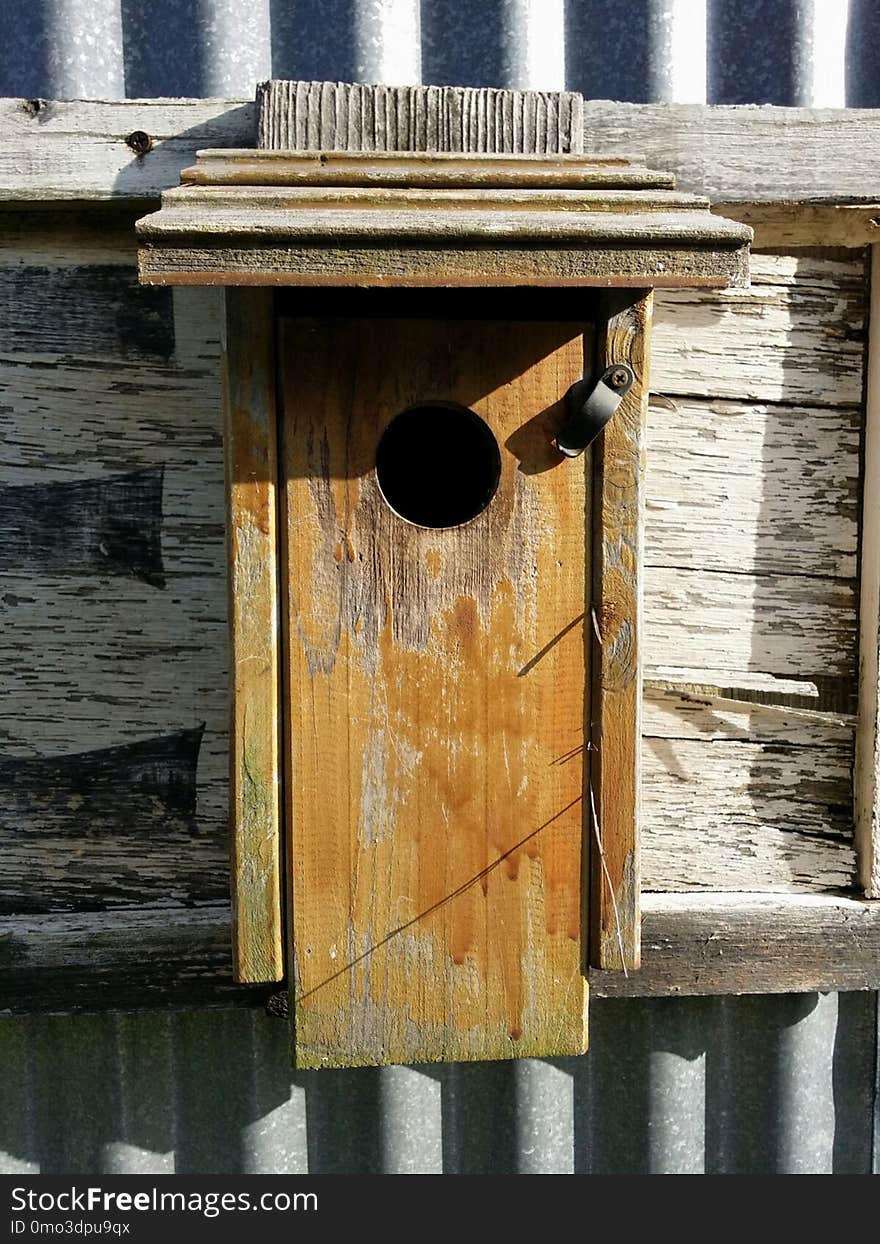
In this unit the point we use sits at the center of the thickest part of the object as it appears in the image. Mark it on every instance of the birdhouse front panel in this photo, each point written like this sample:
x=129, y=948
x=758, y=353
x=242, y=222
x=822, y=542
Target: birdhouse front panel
x=436, y=547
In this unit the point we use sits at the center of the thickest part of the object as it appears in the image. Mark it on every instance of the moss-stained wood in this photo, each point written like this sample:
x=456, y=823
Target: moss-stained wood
x=435, y=695
x=251, y=440
x=618, y=522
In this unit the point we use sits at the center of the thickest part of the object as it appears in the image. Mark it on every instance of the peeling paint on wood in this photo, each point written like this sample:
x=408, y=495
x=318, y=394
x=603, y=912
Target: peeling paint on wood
x=796, y=335
x=97, y=310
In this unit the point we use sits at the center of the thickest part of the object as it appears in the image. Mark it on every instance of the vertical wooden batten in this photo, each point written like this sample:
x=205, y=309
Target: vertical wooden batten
x=251, y=439
x=618, y=524
x=867, y=768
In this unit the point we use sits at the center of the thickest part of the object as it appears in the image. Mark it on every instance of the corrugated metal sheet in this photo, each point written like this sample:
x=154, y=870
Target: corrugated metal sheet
x=730, y=1085
x=805, y=52
x=785, y=1084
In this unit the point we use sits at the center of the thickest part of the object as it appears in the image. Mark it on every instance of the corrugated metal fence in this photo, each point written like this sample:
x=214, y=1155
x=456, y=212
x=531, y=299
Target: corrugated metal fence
x=786, y=1084
x=803, y=52
x=726, y=1085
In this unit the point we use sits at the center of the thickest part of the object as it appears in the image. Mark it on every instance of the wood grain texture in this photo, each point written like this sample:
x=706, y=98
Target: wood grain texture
x=250, y=442
x=336, y=116
x=618, y=528
x=782, y=815
x=797, y=335
x=699, y=944
x=751, y=154
x=76, y=150
x=751, y=943
x=790, y=226
x=436, y=700
x=242, y=217
x=94, y=661
x=113, y=580
x=752, y=488
x=867, y=768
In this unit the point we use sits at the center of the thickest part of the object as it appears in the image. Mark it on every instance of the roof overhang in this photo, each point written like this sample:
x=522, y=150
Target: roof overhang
x=251, y=217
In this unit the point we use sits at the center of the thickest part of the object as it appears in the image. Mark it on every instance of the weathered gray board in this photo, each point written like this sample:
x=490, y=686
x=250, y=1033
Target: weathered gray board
x=75, y=151
x=113, y=603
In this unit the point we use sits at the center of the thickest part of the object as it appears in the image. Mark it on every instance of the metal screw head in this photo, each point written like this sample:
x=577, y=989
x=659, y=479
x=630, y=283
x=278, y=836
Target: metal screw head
x=139, y=142
x=619, y=378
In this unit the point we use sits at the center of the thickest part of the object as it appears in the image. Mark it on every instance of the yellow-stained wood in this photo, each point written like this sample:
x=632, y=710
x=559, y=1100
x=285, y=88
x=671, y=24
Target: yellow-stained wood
x=617, y=588
x=436, y=701
x=794, y=225
x=251, y=440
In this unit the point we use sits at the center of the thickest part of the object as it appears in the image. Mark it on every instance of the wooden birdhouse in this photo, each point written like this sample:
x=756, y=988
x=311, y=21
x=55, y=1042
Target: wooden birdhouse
x=436, y=373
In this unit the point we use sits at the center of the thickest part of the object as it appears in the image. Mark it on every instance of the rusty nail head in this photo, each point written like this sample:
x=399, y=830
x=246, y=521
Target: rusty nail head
x=140, y=142
x=619, y=377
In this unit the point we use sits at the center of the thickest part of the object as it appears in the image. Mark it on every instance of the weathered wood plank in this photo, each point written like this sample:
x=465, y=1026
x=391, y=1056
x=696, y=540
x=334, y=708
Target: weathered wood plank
x=116, y=635
x=762, y=488
x=142, y=958
x=250, y=441
x=57, y=151
x=436, y=701
x=755, y=154
x=618, y=527
x=337, y=116
x=780, y=819
x=130, y=326
x=697, y=943
x=867, y=768
x=789, y=226
x=77, y=150
x=741, y=943
x=731, y=629
x=722, y=718
x=797, y=335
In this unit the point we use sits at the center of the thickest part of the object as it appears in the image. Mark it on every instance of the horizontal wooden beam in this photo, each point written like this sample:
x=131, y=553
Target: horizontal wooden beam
x=693, y=944
x=56, y=151
x=703, y=943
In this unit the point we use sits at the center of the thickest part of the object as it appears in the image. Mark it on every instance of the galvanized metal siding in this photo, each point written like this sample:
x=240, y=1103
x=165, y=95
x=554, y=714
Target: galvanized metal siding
x=782, y=1085
x=804, y=52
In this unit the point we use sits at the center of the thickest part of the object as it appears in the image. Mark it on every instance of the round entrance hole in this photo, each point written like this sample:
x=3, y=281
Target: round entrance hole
x=438, y=465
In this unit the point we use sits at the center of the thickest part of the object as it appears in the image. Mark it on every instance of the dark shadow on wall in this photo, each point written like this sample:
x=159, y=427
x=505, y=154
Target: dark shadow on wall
x=463, y=44
x=163, y=48
x=750, y=1110
x=756, y=53
x=610, y=50
x=863, y=55
x=856, y=1088
x=611, y=1098
x=313, y=40
x=24, y=48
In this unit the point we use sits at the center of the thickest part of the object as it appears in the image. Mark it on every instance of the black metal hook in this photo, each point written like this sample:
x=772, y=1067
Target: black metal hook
x=589, y=414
